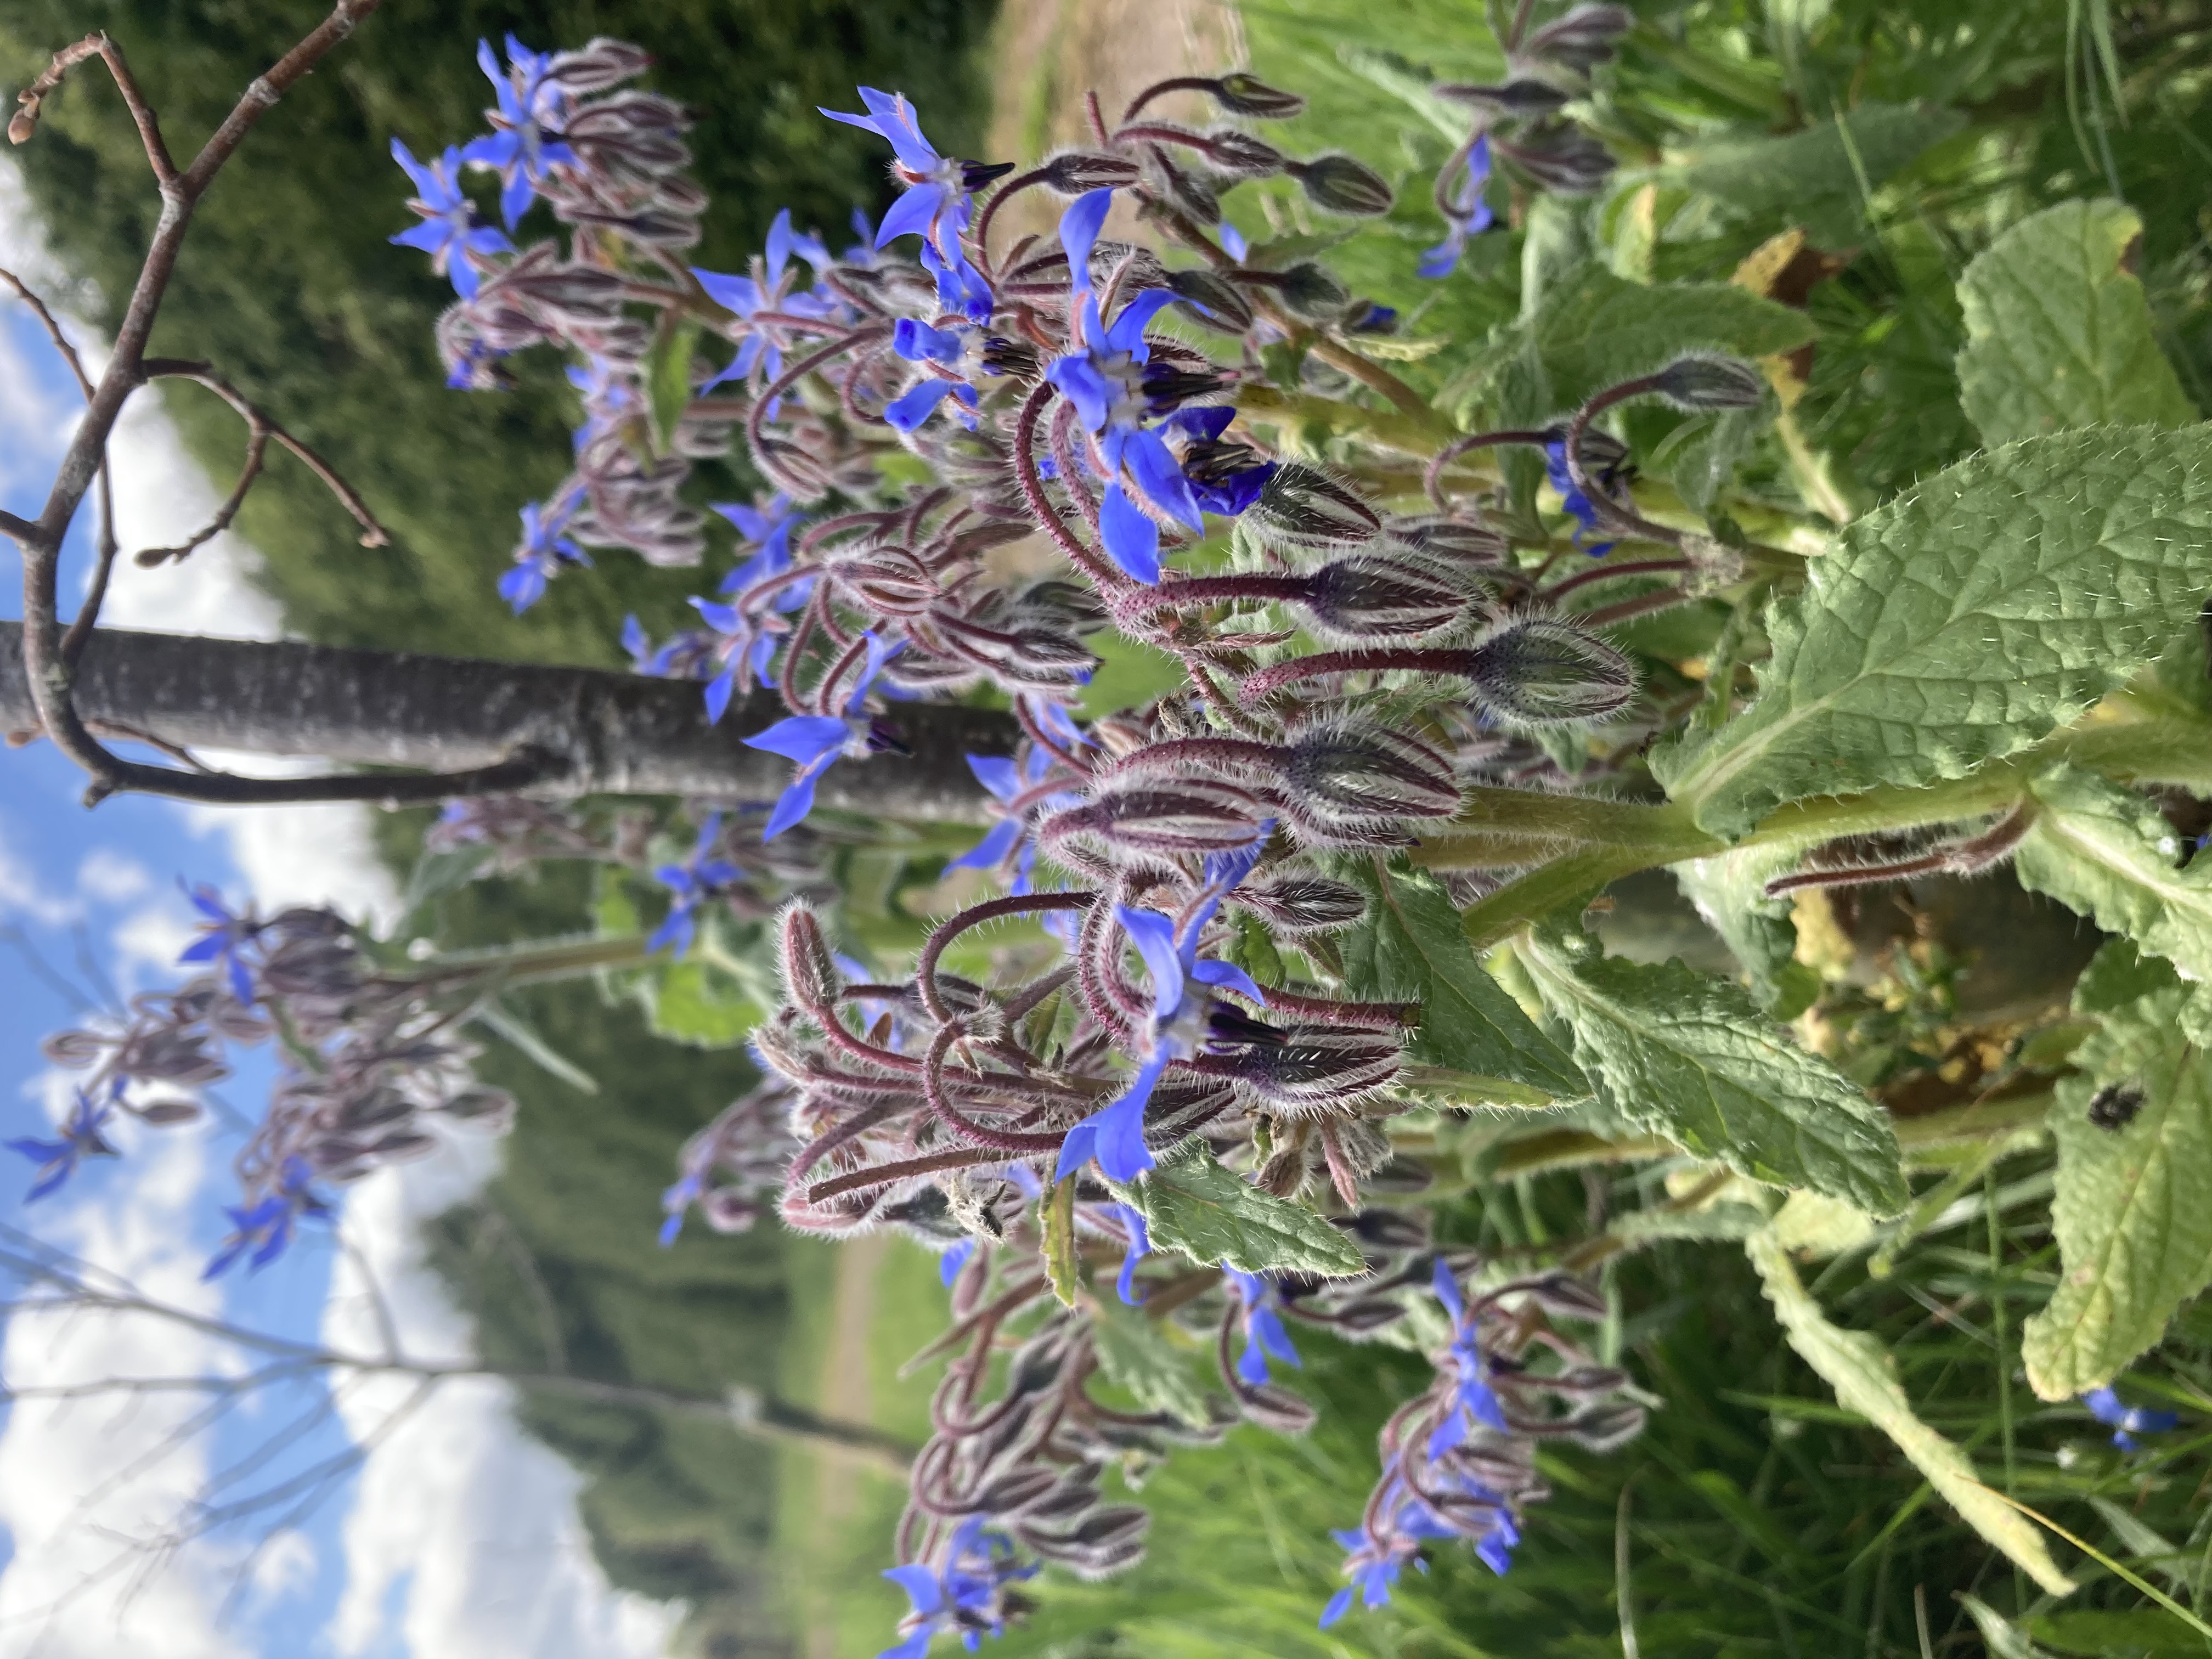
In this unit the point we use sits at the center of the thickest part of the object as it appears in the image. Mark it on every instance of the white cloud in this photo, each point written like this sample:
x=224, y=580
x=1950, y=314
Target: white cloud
x=113, y=877
x=22, y=894
x=147, y=944
x=67, y=1496
x=466, y=1525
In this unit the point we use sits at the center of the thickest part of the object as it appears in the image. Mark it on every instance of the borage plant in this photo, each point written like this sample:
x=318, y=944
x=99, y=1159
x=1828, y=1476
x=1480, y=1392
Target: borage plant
x=1293, y=948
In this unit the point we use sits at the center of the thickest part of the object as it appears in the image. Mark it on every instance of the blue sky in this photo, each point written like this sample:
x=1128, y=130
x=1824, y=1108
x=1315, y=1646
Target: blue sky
x=458, y=1535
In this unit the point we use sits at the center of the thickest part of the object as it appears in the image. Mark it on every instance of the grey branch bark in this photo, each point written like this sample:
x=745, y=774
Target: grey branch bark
x=599, y=733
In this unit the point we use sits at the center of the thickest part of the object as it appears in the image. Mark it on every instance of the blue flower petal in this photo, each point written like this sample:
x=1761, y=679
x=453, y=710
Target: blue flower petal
x=805, y=738
x=1132, y=541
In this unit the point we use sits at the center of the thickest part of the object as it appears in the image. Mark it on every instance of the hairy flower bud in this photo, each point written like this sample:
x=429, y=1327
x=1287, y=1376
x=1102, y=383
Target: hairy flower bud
x=1297, y=902
x=1560, y=156
x=1540, y=670
x=809, y=969
x=595, y=67
x=1193, y=815
x=1308, y=509
x=163, y=1113
x=1701, y=383
x=1449, y=541
x=1249, y=96
x=1240, y=154
x=1318, y=1068
x=1081, y=171
x=1518, y=99
x=1362, y=600
x=483, y=1108
x=1310, y=291
x=1581, y=40
x=1343, y=774
x=1339, y=183
x=1194, y=192
x=1215, y=302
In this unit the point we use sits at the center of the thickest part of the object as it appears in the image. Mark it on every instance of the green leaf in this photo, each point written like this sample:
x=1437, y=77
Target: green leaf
x=436, y=874
x=2111, y=856
x=1965, y=619
x=1691, y=1057
x=1133, y=1353
x=1212, y=1215
x=2058, y=331
x=1059, y=1249
x=2149, y=1631
x=1412, y=84
x=1410, y=948
x=1861, y=1371
x=668, y=378
x=1594, y=330
x=2135, y=1234
x=1817, y=178
x=2003, y=1638
x=2118, y=975
x=1729, y=891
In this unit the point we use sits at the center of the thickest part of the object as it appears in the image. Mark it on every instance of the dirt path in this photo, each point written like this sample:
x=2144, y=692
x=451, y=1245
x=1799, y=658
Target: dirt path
x=1052, y=52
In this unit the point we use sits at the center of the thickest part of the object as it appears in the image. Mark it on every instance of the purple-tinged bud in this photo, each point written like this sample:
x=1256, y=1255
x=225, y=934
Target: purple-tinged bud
x=1560, y=156
x=1193, y=815
x=163, y=1113
x=1586, y=37
x=1240, y=154
x=1519, y=100
x=1338, y=184
x=1299, y=903
x=1215, y=302
x=597, y=66
x=1540, y=670
x=1198, y=195
x=1079, y=172
x=1363, y=600
x=1309, y=291
x=404, y=1147
x=482, y=1107
x=1701, y=383
x=1275, y=1409
x=1607, y=1428
x=1387, y=1229
x=973, y=175
x=1318, y=1068
x=1249, y=96
x=1307, y=509
x=811, y=976
x=1105, y=1541
x=1284, y=1172
x=1348, y=772
x=890, y=580
x=73, y=1049
x=378, y=1107
x=1451, y=541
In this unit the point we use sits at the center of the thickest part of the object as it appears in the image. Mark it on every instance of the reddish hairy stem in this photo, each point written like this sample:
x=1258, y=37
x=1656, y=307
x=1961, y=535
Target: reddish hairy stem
x=925, y=966
x=940, y=1103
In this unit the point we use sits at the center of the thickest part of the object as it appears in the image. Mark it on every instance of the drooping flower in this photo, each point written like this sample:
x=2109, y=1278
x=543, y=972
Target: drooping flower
x=543, y=554
x=1224, y=477
x=78, y=1138
x=680, y=657
x=1182, y=1014
x=690, y=884
x=1572, y=501
x=816, y=742
x=1117, y=395
x=1140, y=1246
x=963, y=1597
x=1472, y=1400
x=450, y=231
x=935, y=205
x=524, y=146
x=767, y=527
x=1008, y=783
x=224, y=937
x=1467, y=213
x=1265, y=1338
x=267, y=1228
x=2126, y=1422
x=773, y=286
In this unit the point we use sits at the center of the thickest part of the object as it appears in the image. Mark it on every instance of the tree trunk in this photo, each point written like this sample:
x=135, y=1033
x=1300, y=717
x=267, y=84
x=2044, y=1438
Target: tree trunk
x=620, y=734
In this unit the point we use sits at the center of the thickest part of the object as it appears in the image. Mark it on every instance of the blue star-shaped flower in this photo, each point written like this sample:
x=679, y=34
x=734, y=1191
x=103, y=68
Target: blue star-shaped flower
x=1473, y=1400
x=691, y=882
x=1265, y=1338
x=773, y=286
x=543, y=554
x=962, y=1596
x=449, y=232
x=223, y=940
x=267, y=1228
x=1114, y=1134
x=1103, y=376
x=816, y=742
x=935, y=206
x=1572, y=501
x=1468, y=215
x=523, y=148
x=79, y=1137
x=2126, y=1422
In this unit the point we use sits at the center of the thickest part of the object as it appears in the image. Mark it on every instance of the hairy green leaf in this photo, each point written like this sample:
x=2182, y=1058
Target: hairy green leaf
x=1693, y=1058
x=1411, y=949
x=1212, y=1215
x=1058, y=1218
x=668, y=378
x=1965, y=619
x=2058, y=331
x=1817, y=178
x=1594, y=330
x=1860, y=1370
x=1133, y=1353
x=1729, y=891
x=2108, y=854
x=2135, y=1234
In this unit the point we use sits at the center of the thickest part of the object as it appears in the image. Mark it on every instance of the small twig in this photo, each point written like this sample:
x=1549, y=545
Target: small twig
x=26, y=120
